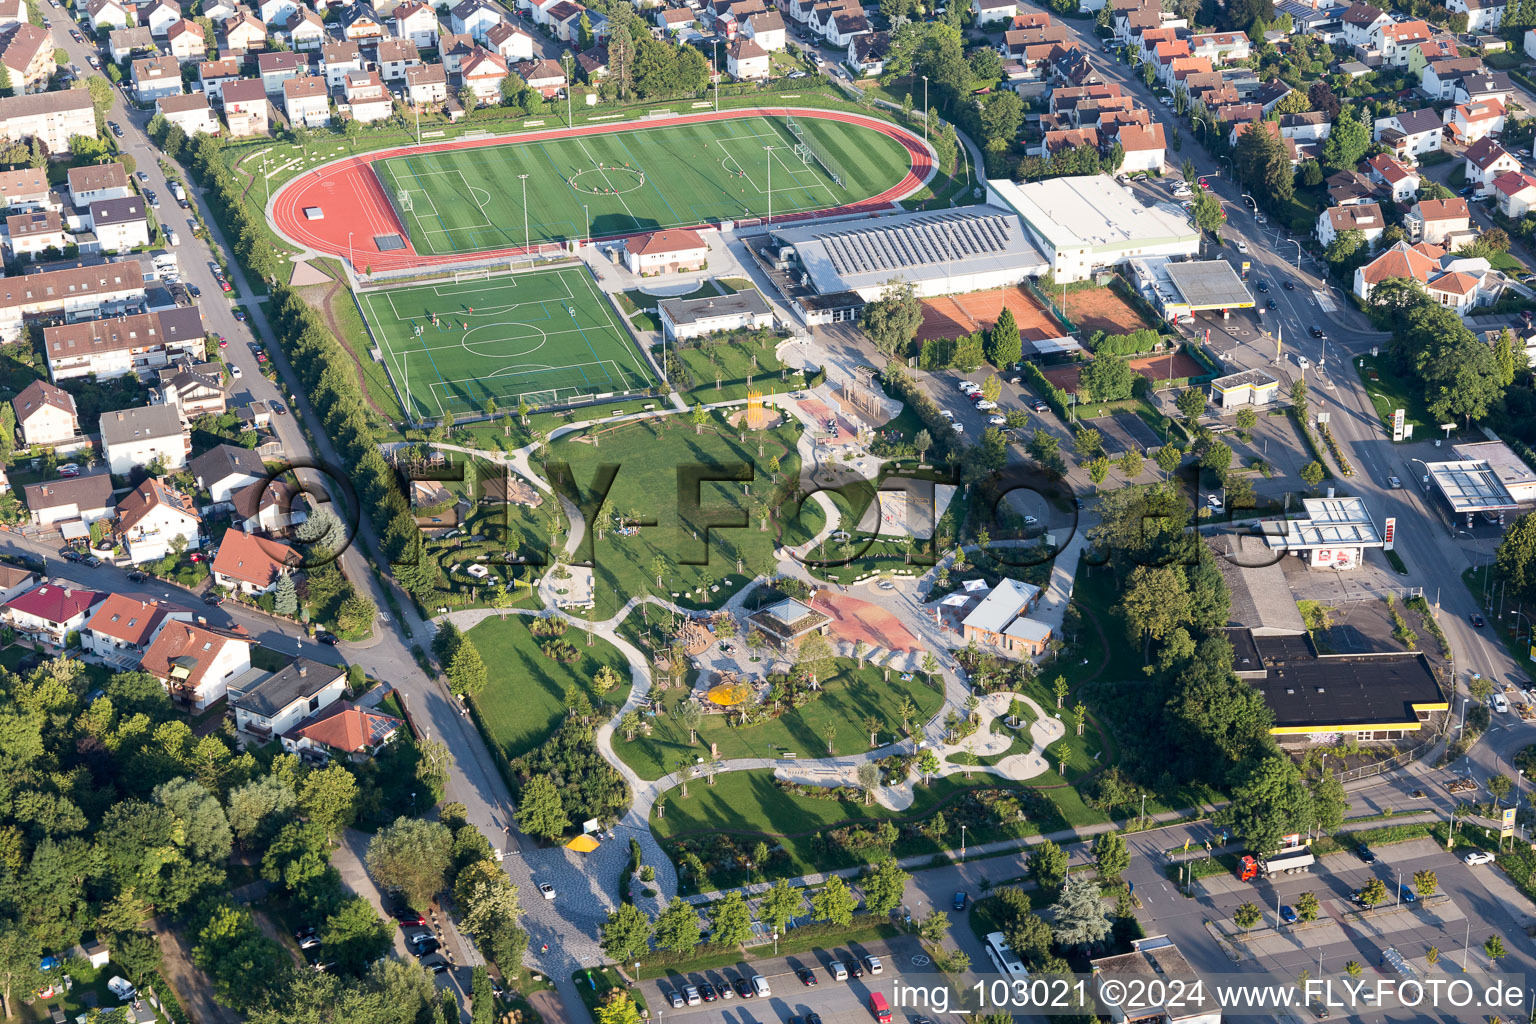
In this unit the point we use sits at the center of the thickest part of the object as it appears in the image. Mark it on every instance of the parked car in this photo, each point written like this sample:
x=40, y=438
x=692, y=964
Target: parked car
x=545, y=889
x=960, y=899
x=1365, y=854
x=1478, y=620
x=1479, y=857
x=1288, y=915
x=707, y=991
x=742, y=988
x=691, y=996
x=331, y=639
x=435, y=963
x=676, y=999
x=807, y=977
x=874, y=964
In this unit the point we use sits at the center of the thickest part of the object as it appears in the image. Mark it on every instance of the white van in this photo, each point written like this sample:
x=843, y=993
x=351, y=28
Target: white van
x=760, y=986
x=171, y=238
x=837, y=970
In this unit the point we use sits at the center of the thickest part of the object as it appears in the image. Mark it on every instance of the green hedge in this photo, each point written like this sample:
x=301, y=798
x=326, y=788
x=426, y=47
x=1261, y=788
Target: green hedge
x=1053, y=395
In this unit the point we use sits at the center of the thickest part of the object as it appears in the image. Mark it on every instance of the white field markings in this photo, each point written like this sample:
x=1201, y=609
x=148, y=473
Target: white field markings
x=601, y=302
x=582, y=143
x=468, y=195
x=801, y=177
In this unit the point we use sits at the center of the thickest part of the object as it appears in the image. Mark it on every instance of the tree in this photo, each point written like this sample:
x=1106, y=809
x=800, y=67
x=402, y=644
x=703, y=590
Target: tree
x=1426, y=882
x=1208, y=213
x=1080, y=920
x=621, y=1008
x=1347, y=250
x=540, y=811
x=626, y=935
x=781, y=905
x=1373, y=893
x=1130, y=463
x=1088, y=443
x=1508, y=358
x=1307, y=906
x=921, y=443
x=467, y=671
x=328, y=799
x=1247, y=915
x=933, y=928
x=1002, y=114
x=1191, y=404
x=991, y=388
x=413, y=856
x=1493, y=947
x=730, y=924
x=286, y=597
x=1499, y=786
x=1269, y=800
x=677, y=927
x=1262, y=164
x=927, y=763
x=1312, y=474
x=199, y=820
x=1111, y=856
x=354, y=935
x=1108, y=378
x=1047, y=864
x=833, y=902
x=1004, y=345
x=884, y=885
x=1347, y=142
x=892, y=320
x=1155, y=600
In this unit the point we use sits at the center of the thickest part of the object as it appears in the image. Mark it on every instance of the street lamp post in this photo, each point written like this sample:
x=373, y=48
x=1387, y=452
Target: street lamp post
x=586, y=236
x=925, y=108
x=962, y=842
x=775, y=943
x=769, y=151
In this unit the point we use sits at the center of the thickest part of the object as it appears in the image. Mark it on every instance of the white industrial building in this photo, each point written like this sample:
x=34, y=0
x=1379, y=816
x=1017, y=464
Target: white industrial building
x=939, y=253
x=1517, y=477
x=1333, y=535
x=1091, y=222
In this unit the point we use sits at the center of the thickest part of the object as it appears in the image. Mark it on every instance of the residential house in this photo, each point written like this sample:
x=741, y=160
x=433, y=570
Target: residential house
x=1435, y=220
x=159, y=16
x=1365, y=218
x=15, y=581
x=1361, y=22
x=339, y=60
x=196, y=663
x=71, y=293
x=358, y=22
x=1399, y=180
x=342, y=730
x=1482, y=87
x=242, y=33
x=154, y=77
x=673, y=20
x=425, y=83
x=27, y=188
x=1220, y=47
x=133, y=438
x=303, y=29
x=1144, y=146
x=663, y=252
x=185, y=41
x=483, y=74
x=1410, y=134
x=1397, y=41
x=123, y=43
x=268, y=506
x=34, y=233
x=53, y=118
x=272, y=11
x=367, y=98
x=393, y=56
x=79, y=499
x=192, y=390
x=247, y=111
x=766, y=29
x=417, y=22
x=1438, y=79
x=474, y=18
x=191, y=113
x=107, y=14
x=274, y=704
x=1455, y=282
x=1001, y=619
x=220, y=11
x=544, y=75
x=563, y=20
x=225, y=469
x=1482, y=15
x=593, y=64
x=1469, y=122
x=120, y=224
x=215, y=74
x=844, y=27
x=1486, y=160
x=867, y=53
x=46, y=414
x=152, y=517
x=50, y=612
x=121, y=628
x=251, y=564
x=511, y=42
x=1312, y=126
x=746, y=61
x=277, y=67
x=992, y=12
x=306, y=101
x=1515, y=193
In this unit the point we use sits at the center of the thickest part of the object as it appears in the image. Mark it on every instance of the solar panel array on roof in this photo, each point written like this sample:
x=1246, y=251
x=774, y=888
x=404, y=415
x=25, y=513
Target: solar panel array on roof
x=941, y=239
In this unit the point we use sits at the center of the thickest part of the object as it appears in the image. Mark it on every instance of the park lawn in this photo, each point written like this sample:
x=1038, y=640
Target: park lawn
x=521, y=705
x=849, y=695
x=659, y=458
x=733, y=363
x=748, y=804
x=1390, y=390
x=1095, y=593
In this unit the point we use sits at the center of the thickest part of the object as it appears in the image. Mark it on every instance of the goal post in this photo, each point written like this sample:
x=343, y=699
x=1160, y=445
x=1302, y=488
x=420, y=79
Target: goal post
x=482, y=274
x=403, y=199
x=806, y=146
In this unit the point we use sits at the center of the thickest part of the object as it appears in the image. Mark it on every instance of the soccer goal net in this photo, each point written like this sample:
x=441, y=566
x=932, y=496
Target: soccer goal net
x=403, y=199
x=482, y=274
x=807, y=150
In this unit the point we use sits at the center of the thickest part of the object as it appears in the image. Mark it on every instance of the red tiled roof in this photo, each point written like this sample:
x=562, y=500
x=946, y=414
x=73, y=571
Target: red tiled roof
x=53, y=603
x=251, y=559
x=190, y=649
x=346, y=727
x=123, y=618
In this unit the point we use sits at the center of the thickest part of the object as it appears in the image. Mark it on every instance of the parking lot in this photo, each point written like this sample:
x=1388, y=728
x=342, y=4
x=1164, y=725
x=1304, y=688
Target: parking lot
x=901, y=958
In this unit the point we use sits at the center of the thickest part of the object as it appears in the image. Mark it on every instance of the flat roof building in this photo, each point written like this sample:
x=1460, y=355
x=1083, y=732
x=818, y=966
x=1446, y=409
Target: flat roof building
x=1204, y=285
x=1153, y=965
x=1470, y=486
x=1372, y=696
x=1333, y=534
x=1091, y=222
x=939, y=253
x=1246, y=387
x=1517, y=477
x=691, y=318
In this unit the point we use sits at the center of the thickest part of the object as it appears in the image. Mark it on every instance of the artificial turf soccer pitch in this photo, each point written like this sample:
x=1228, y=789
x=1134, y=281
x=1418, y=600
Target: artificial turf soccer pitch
x=549, y=336
x=644, y=179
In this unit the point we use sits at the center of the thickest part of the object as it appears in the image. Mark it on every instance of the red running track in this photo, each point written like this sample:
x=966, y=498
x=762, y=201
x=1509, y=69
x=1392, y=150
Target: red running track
x=356, y=208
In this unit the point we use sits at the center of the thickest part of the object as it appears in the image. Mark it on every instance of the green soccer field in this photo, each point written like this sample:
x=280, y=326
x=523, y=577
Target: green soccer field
x=471, y=200
x=548, y=336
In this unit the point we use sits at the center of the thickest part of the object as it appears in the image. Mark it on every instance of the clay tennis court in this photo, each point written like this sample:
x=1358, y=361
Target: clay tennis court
x=953, y=316
x=1101, y=309
x=853, y=620
x=1154, y=368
